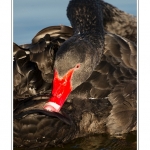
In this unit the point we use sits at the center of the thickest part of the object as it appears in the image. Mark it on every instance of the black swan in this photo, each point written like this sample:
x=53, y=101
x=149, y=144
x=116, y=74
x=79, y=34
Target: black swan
x=76, y=81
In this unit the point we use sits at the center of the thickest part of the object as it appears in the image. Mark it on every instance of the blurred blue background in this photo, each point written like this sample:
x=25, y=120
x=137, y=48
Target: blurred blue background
x=31, y=16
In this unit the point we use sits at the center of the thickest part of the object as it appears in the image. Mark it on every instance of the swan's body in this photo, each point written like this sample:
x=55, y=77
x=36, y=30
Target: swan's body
x=102, y=98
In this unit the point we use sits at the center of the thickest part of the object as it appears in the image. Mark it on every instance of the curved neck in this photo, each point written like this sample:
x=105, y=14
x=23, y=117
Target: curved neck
x=86, y=17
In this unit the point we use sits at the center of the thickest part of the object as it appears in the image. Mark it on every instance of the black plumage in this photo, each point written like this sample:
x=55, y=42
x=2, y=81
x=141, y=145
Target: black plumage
x=103, y=99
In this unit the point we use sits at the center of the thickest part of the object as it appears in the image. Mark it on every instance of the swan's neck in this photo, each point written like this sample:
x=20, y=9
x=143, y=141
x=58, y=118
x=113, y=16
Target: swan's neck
x=86, y=16
x=87, y=20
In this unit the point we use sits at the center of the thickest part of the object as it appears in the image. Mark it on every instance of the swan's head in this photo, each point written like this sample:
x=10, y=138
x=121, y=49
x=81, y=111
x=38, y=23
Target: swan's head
x=74, y=63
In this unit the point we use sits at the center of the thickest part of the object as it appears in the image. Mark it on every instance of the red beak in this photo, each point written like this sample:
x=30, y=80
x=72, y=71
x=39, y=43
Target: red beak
x=61, y=89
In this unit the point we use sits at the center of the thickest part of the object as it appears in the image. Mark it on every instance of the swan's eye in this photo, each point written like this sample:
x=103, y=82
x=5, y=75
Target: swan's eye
x=77, y=66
